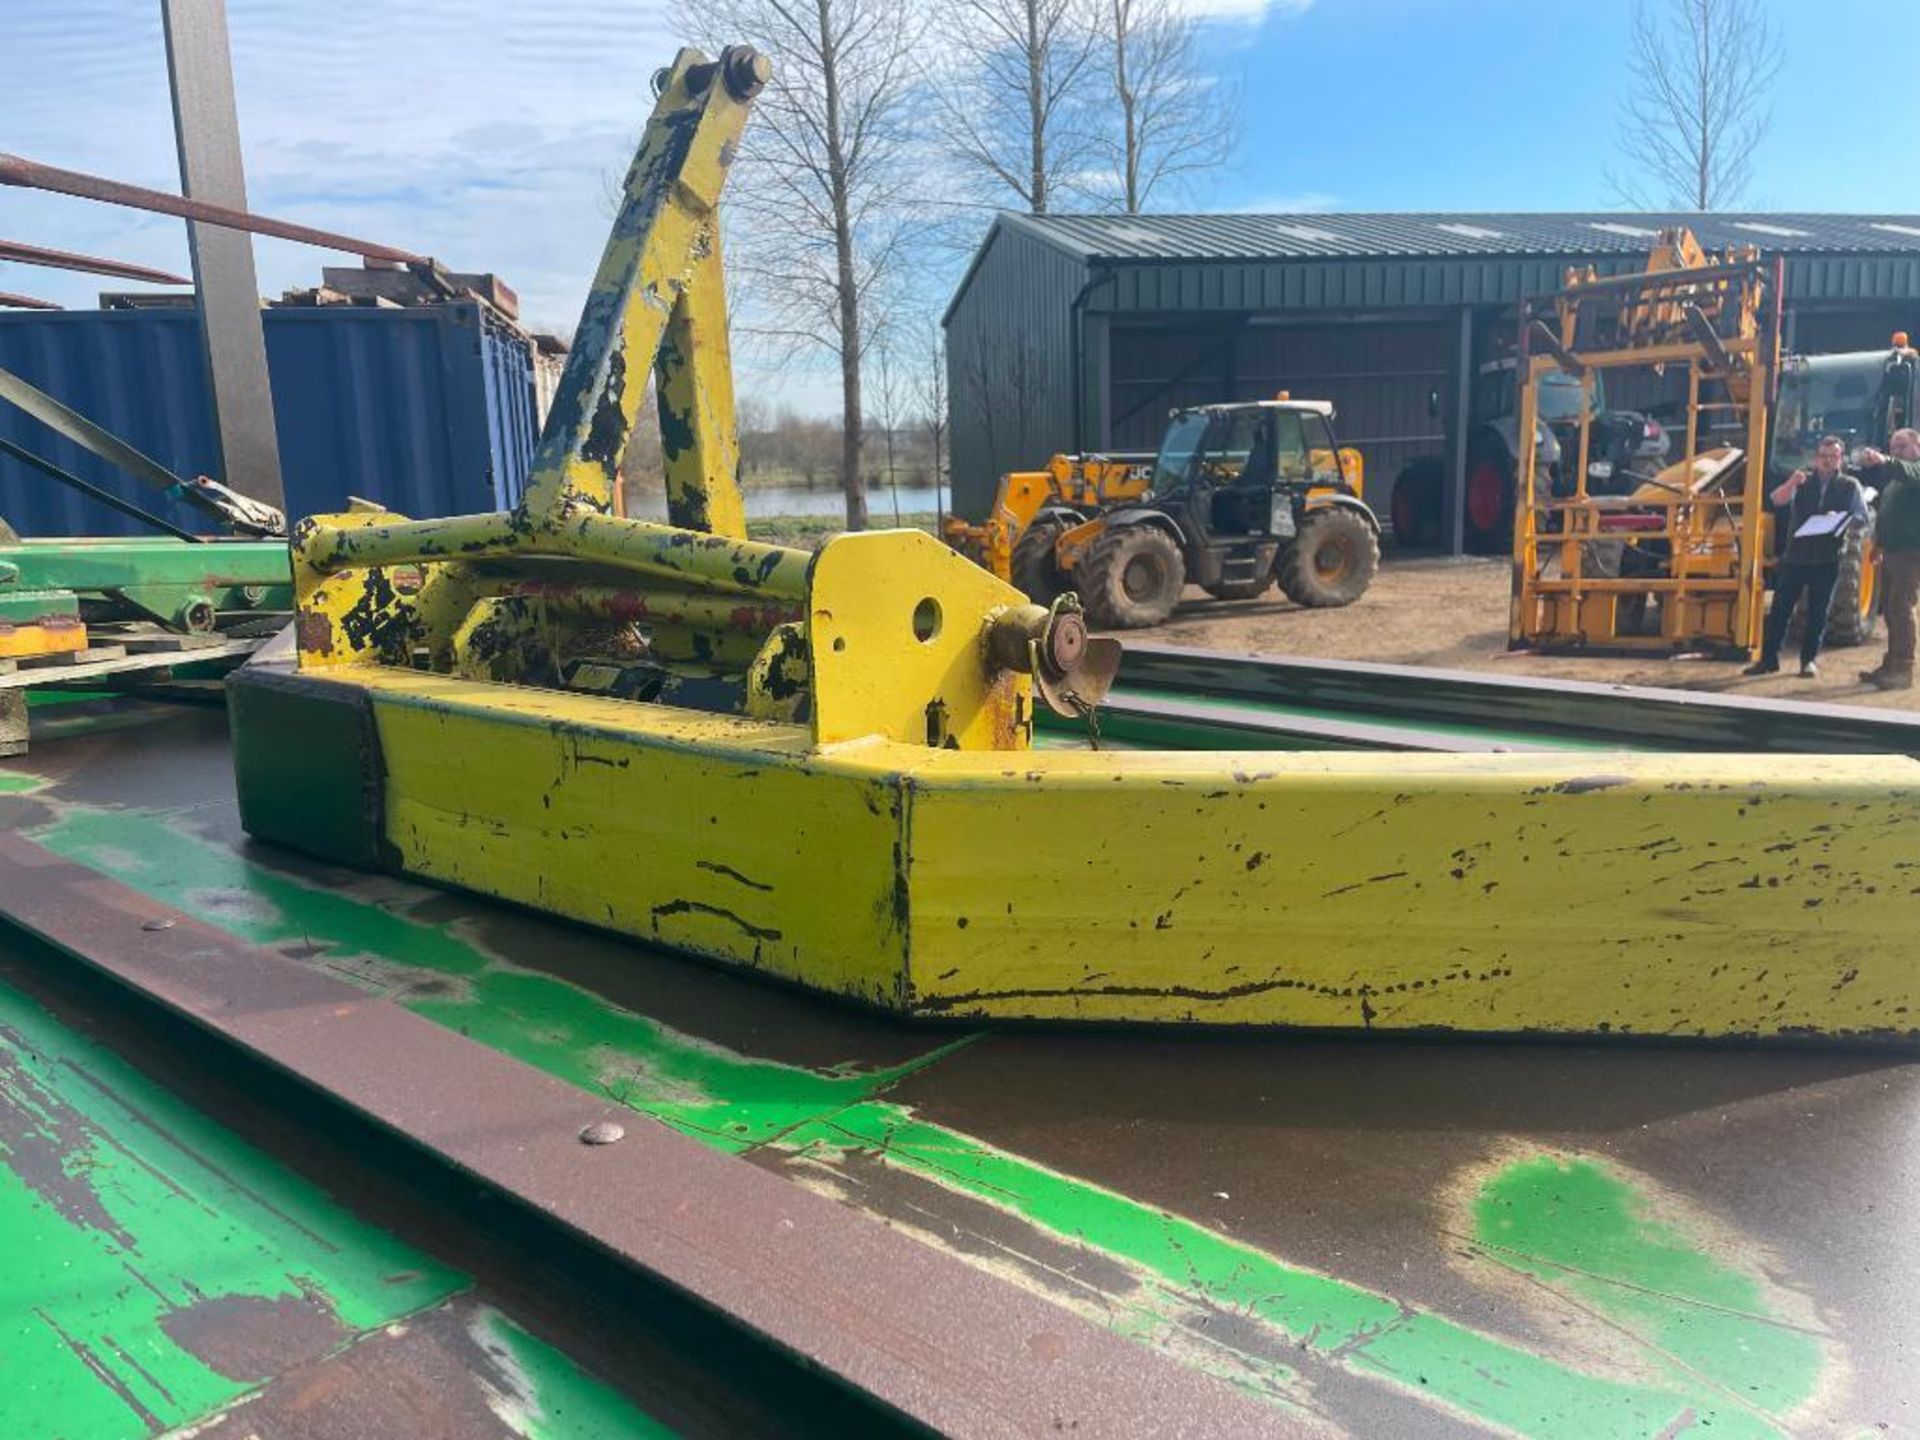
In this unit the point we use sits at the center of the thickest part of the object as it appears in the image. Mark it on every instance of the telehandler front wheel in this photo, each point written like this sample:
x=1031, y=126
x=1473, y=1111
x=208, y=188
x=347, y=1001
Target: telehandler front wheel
x=1332, y=561
x=1130, y=577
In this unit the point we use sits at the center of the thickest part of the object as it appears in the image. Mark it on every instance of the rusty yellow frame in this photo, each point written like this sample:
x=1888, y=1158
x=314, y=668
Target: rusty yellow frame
x=901, y=843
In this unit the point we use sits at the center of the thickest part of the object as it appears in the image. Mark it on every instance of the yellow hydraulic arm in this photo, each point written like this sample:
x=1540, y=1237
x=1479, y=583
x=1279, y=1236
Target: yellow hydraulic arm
x=820, y=767
x=1076, y=482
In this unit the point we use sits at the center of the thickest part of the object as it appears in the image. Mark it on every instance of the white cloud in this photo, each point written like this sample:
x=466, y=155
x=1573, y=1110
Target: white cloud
x=474, y=130
x=1248, y=11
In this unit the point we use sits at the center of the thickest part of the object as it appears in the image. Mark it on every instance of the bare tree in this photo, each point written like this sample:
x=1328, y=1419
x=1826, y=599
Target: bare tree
x=1173, y=117
x=930, y=398
x=1010, y=86
x=890, y=391
x=818, y=196
x=1698, y=108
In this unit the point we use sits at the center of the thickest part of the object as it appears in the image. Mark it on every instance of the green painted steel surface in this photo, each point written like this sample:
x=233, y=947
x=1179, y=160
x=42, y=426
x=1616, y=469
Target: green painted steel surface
x=157, y=576
x=1666, y=1325
x=1583, y=1229
x=159, y=1269
x=135, y=1231
x=552, y=1399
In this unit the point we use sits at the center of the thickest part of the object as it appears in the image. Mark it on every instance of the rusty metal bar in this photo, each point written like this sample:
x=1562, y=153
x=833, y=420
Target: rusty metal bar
x=684, y=557
x=682, y=607
x=25, y=302
x=32, y=175
x=22, y=253
x=922, y=1333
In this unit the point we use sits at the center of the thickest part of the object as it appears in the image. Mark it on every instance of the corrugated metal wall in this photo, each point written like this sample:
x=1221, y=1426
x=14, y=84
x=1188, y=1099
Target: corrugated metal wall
x=1380, y=377
x=428, y=410
x=1862, y=327
x=1010, y=365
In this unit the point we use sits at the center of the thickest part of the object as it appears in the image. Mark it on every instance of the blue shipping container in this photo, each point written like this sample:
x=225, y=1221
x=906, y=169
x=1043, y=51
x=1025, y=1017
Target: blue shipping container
x=426, y=410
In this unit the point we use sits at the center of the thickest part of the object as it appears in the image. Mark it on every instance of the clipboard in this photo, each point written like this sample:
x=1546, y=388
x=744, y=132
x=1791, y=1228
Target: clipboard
x=1826, y=524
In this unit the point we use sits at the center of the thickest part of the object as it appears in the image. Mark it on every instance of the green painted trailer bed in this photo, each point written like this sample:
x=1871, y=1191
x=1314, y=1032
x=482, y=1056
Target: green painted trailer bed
x=1186, y=1233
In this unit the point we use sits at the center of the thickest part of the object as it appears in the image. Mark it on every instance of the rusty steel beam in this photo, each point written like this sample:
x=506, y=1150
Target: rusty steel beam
x=920, y=1332
x=22, y=253
x=32, y=175
x=206, y=131
x=25, y=302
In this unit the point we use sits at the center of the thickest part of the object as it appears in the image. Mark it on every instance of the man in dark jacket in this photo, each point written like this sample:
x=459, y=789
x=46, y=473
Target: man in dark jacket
x=1810, y=563
x=1896, y=549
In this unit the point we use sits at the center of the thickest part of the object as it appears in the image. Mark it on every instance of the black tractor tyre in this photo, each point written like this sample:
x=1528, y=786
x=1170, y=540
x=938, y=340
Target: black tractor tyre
x=1855, y=612
x=1418, y=492
x=1333, y=560
x=1240, y=589
x=1130, y=577
x=1033, y=570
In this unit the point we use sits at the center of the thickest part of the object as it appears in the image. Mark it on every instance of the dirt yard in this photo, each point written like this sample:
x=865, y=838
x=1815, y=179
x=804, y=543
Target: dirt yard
x=1453, y=614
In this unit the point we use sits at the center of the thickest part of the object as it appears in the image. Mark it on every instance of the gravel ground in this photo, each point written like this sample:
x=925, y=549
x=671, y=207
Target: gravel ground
x=1453, y=614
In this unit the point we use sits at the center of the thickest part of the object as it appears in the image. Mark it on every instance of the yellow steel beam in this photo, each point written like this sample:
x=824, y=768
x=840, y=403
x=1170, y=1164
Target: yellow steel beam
x=663, y=248
x=45, y=635
x=699, y=444
x=1650, y=895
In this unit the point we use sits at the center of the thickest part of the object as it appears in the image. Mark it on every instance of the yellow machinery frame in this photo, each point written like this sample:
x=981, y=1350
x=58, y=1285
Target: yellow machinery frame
x=831, y=779
x=1719, y=319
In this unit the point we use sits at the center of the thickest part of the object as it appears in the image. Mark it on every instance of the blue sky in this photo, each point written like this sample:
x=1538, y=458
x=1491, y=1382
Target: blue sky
x=482, y=131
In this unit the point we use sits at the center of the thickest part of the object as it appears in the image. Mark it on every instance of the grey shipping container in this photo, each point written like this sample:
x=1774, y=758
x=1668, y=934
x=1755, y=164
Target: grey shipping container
x=427, y=410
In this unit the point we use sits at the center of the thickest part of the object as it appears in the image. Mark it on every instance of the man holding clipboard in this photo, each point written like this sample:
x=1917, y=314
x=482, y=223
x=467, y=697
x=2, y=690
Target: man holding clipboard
x=1823, y=506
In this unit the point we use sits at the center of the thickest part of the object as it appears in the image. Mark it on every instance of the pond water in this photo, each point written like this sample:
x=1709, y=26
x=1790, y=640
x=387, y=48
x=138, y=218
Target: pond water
x=827, y=500
x=766, y=500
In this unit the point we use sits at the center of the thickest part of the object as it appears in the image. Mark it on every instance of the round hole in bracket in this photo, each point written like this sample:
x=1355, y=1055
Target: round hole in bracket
x=926, y=620
x=839, y=643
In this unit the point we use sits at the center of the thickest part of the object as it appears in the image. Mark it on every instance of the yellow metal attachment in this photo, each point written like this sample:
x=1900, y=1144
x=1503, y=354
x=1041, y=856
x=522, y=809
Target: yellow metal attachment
x=818, y=766
x=896, y=627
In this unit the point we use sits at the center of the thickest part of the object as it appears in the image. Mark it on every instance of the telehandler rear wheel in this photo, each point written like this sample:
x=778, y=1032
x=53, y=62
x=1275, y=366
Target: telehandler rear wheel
x=1332, y=562
x=1130, y=577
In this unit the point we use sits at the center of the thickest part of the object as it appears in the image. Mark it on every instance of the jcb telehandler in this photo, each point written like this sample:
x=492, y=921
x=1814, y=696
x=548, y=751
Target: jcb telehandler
x=1239, y=496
